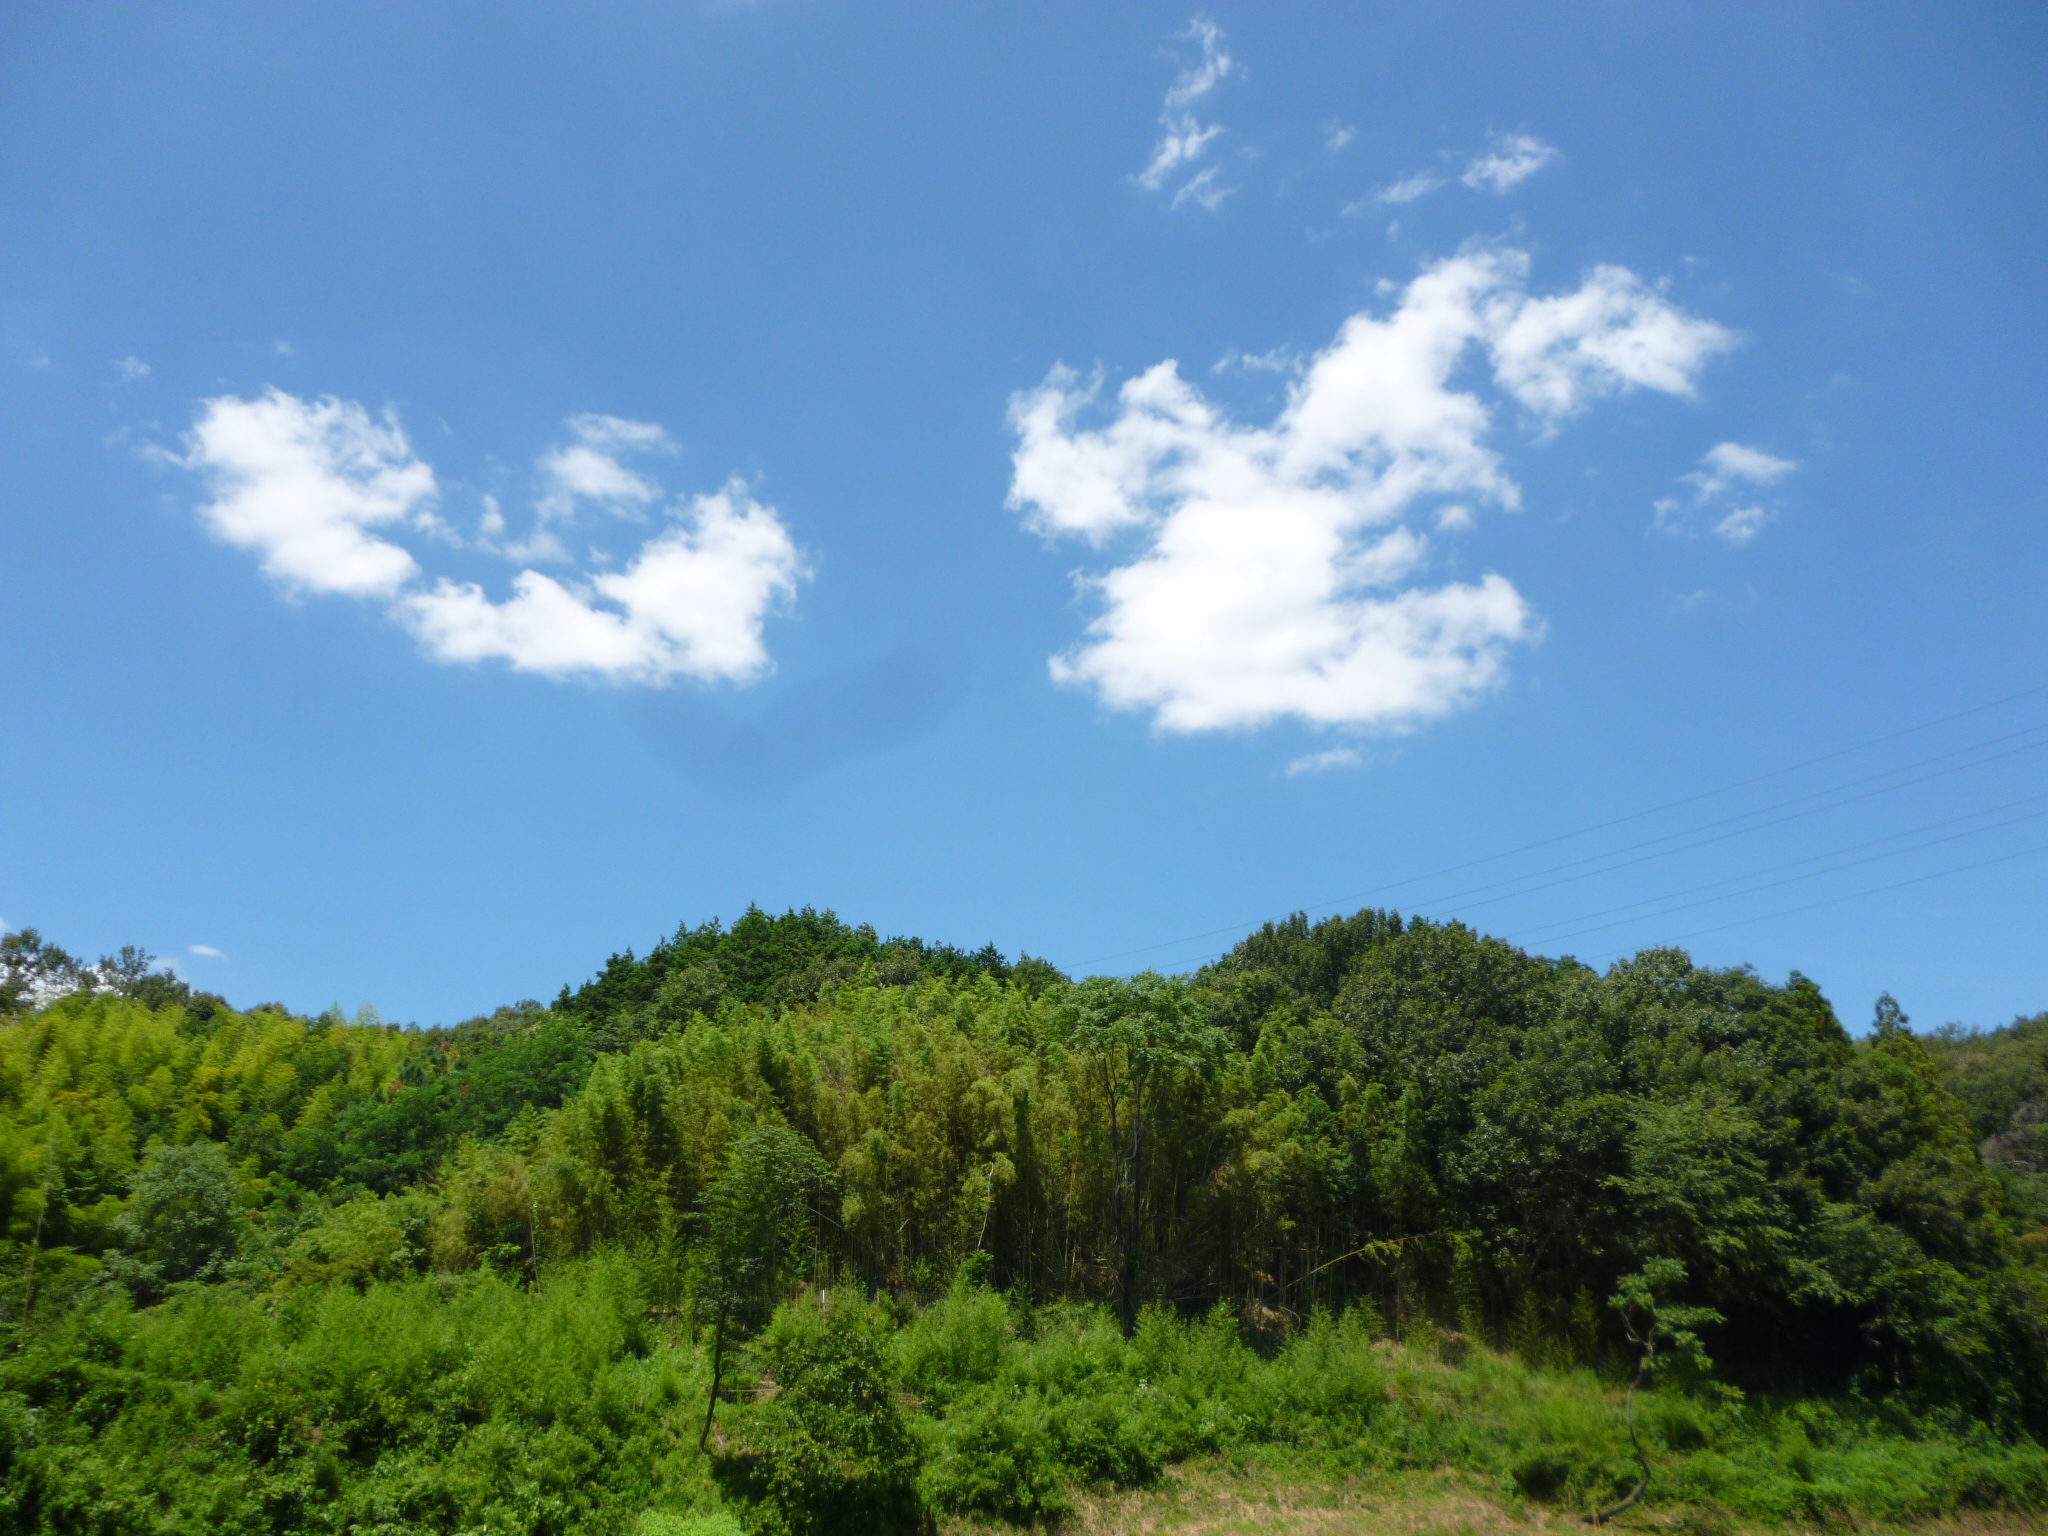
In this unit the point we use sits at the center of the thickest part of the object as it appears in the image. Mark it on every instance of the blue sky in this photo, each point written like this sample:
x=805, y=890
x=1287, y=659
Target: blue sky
x=484, y=487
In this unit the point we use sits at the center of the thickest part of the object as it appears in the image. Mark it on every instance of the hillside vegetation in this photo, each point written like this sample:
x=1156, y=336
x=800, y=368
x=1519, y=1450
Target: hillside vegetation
x=792, y=1229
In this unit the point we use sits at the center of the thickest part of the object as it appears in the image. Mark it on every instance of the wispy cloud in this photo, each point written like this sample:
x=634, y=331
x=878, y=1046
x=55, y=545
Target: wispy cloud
x=1323, y=762
x=1276, y=572
x=319, y=490
x=589, y=471
x=1409, y=188
x=1337, y=134
x=1512, y=159
x=130, y=370
x=1186, y=138
x=1723, y=499
x=1272, y=360
x=206, y=951
x=1205, y=189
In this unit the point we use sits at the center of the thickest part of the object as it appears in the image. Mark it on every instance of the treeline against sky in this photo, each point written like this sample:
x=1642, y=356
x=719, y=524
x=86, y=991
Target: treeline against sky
x=1360, y=1118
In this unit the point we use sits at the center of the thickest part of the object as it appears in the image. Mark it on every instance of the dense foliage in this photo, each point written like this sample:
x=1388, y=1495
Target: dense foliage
x=2002, y=1078
x=270, y=1272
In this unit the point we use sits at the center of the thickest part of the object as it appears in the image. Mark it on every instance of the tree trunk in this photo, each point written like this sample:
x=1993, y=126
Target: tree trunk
x=717, y=1367
x=1132, y=1223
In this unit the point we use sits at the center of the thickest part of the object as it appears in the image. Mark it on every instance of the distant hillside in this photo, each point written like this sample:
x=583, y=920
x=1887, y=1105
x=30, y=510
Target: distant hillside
x=2001, y=1075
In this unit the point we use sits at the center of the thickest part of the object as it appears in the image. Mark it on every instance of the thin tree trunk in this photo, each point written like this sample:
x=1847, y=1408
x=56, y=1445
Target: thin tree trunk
x=1602, y=1516
x=717, y=1370
x=1127, y=1278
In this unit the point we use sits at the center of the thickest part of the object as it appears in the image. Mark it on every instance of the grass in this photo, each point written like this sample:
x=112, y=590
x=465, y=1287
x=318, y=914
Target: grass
x=1231, y=1497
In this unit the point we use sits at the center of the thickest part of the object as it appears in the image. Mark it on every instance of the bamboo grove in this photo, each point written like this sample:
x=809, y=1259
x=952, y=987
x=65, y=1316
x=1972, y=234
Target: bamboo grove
x=1357, y=1110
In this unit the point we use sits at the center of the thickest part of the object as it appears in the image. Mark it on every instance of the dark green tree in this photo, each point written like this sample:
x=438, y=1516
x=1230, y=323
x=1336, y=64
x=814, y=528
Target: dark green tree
x=184, y=1214
x=758, y=1220
x=1139, y=1035
x=33, y=970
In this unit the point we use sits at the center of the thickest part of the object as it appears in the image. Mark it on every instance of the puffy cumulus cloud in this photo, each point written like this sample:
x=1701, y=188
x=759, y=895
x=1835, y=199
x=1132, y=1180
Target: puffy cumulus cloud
x=1612, y=333
x=302, y=482
x=691, y=604
x=1186, y=138
x=1724, y=495
x=1276, y=574
x=1512, y=159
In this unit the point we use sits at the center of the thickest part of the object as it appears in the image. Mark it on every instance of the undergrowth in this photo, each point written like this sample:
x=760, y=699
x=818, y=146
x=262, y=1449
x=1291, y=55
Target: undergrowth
x=470, y=1403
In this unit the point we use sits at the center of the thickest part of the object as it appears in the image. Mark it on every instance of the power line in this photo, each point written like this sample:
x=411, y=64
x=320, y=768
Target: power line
x=1669, y=805
x=1739, y=831
x=1889, y=837
x=1878, y=890
x=1575, y=932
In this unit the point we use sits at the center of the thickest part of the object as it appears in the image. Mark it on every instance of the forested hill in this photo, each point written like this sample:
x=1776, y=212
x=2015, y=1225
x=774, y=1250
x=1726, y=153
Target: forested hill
x=771, y=960
x=1364, y=1112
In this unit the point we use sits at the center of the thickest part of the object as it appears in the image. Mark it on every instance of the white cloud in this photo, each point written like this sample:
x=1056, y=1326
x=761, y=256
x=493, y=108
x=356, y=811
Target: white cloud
x=130, y=370
x=1614, y=332
x=588, y=471
x=1186, y=138
x=1203, y=188
x=1513, y=159
x=1741, y=525
x=1277, y=576
x=1726, y=465
x=1728, y=472
x=1337, y=134
x=1323, y=762
x=1408, y=188
x=301, y=482
x=206, y=950
x=691, y=604
x=1272, y=360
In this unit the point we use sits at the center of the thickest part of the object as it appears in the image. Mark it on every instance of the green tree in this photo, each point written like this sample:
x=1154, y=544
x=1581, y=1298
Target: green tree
x=1138, y=1036
x=184, y=1214
x=1655, y=1325
x=757, y=1222
x=837, y=1458
x=33, y=970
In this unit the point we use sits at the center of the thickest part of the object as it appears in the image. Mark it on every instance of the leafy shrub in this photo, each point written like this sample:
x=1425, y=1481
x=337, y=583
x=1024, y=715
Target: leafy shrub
x=184, y=1217
x=830, y=1453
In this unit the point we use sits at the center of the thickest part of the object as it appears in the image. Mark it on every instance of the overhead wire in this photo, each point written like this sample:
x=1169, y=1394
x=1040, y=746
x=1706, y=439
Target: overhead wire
x=1831, y=901
x=1648, y=901
x=1576, y=930
x=1611, y=854
x=1722, y=837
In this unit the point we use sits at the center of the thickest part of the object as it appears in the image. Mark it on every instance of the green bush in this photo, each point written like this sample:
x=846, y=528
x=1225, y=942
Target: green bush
x=829, y=1454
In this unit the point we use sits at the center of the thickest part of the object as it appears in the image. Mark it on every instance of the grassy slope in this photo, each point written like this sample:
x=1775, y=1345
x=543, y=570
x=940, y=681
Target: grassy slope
x=1216, y=1498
